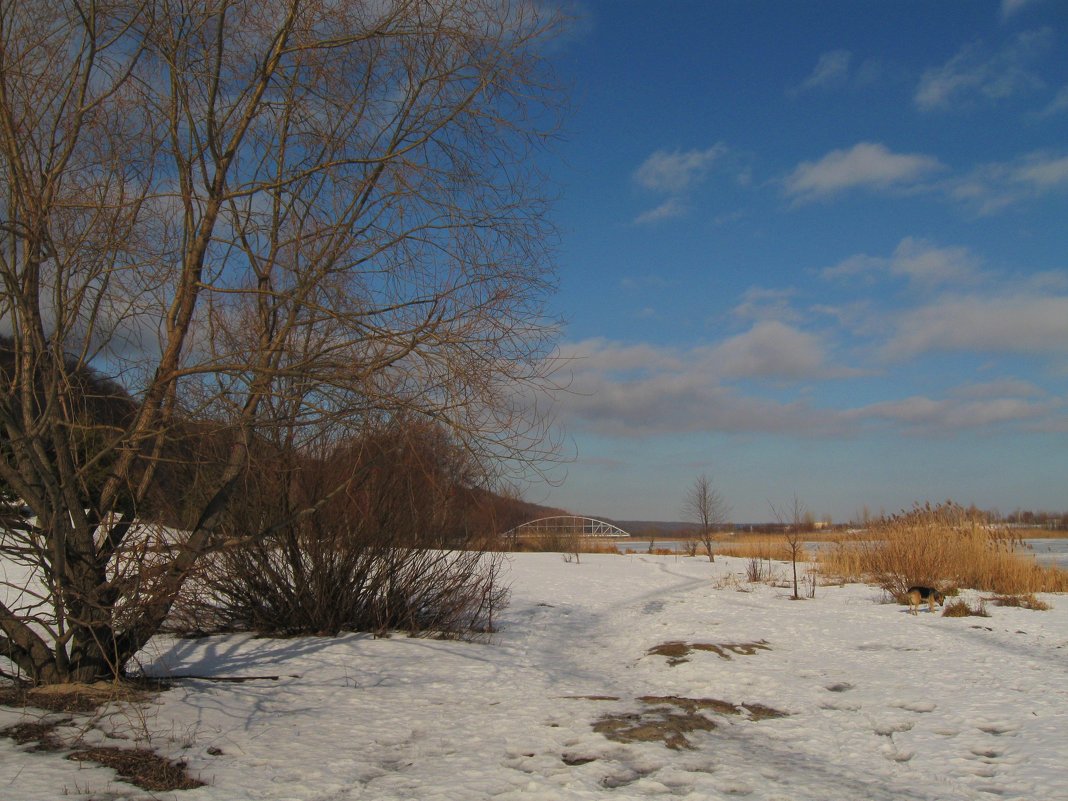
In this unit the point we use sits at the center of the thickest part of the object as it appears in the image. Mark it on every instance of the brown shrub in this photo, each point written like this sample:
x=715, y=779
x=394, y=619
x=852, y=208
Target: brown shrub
x=960, y=608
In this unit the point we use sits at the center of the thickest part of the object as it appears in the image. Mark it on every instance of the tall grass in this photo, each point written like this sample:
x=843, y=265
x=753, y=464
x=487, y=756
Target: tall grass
x=942, y=546
x=769, y=548
x=565, y=543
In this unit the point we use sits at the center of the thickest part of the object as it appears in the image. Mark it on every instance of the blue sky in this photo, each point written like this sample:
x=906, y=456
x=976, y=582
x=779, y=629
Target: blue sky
x=815, y=249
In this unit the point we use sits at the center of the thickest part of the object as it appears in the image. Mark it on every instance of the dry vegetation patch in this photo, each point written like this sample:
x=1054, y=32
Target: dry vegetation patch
x=80, y=698
x=669, y=718
x=42, y=733
x=138, y=766
x=141, y=767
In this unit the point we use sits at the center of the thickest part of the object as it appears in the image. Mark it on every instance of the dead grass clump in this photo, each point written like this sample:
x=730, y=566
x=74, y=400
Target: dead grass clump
x=1026, y=601
x=961, y=608
x=941, y=545
x=757, y=570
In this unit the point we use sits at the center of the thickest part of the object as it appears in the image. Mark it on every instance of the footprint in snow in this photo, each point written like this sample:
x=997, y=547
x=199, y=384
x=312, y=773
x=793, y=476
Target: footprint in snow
x=888, y=728
x=916, y=706
x=897, y=755
x=997, y=728
x=841, y=706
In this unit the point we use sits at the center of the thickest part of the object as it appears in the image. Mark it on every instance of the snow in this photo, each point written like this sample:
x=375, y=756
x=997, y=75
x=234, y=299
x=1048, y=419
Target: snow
x=881, y=704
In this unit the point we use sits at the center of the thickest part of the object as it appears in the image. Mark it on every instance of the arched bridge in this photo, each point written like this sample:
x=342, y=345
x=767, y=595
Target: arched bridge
x=567, y=526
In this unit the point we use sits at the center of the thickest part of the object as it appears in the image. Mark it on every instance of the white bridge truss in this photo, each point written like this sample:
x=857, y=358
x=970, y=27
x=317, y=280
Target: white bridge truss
x=567, y=526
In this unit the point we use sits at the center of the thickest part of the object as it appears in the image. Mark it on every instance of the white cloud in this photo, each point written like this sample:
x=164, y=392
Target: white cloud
x=976, y=74
x=645, y=390
x=770, y=349
x=927, y=265
x=640, y=390
x=867, y=165
x=1022, y=323
x=676, y=171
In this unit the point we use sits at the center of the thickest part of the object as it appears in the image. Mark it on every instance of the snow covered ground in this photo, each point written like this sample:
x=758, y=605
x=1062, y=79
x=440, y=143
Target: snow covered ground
x=881, y=704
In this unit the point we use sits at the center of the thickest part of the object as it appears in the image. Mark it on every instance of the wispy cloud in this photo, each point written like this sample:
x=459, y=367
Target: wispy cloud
x=670, y=208
x=836, y=70
x=976, y=74
x=1010, y=7
x=674, y=173
x=832, y=70
x=989, y=188
x=761, y=303
x=920, y=414
x=1042, y=172
x=867, y=165
x=678, y=170
x=1058, y=105
x=922, y=263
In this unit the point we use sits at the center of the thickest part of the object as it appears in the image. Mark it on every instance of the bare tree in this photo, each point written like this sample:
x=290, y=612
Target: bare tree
x=299, y=214
x=704, y=505
x=797, y=520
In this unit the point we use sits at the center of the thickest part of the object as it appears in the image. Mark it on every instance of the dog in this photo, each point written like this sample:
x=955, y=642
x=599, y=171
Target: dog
x=917, y=595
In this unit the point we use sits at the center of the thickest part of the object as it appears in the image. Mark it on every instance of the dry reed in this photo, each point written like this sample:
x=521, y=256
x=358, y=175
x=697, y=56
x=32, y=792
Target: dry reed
x=942, y=546
x=565, y=543
x=769, y=548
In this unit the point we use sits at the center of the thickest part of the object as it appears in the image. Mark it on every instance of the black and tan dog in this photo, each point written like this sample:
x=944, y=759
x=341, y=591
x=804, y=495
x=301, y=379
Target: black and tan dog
x=917, y=595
